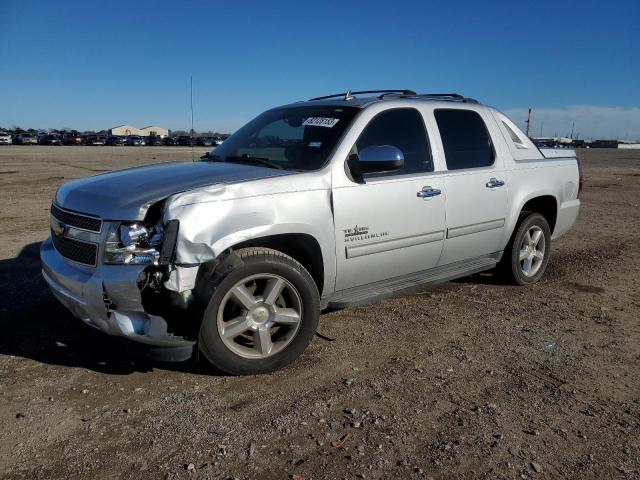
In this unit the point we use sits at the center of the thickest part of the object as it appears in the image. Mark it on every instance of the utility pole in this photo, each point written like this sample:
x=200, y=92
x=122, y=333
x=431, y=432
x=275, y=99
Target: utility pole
x=528, y=122
x=541, y=124
x=191, y=132
x=191, y=97
x=572, y=125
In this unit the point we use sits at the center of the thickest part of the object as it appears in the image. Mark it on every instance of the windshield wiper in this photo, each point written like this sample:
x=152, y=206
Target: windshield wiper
x=209, y=157
x=252, y=161
x=247, y=159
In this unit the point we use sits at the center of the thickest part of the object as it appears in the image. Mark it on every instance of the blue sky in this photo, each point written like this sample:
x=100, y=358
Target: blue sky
x=93, y=65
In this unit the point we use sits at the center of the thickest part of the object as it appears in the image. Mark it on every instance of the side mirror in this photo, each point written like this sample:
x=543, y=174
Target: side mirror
x=379, y=158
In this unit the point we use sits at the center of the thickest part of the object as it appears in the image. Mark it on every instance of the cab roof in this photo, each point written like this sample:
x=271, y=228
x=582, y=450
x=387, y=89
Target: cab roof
x=368, y=97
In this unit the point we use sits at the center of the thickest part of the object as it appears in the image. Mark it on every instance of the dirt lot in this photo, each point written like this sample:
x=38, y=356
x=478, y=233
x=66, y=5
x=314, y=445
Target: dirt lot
x=474, y=379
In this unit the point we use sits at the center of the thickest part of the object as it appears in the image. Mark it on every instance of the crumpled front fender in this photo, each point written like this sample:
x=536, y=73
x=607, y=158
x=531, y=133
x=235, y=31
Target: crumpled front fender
x=209, y=227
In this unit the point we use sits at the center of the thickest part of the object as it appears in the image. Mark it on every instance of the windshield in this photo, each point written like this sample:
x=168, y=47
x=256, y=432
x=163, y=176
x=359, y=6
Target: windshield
x=294, y=138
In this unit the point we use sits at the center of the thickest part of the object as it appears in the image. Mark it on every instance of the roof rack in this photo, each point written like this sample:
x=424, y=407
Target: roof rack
x=348, y=95
x=454, y=97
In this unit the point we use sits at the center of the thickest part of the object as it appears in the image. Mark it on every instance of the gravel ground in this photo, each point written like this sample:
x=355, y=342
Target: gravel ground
x=473, y=379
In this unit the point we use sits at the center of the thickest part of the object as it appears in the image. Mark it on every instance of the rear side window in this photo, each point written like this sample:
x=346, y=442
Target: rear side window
x=517, y=141
x=403, y=128
x=465, y=139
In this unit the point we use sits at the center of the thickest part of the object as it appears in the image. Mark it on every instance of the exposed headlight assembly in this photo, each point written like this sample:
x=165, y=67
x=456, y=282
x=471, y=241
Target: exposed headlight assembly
x=135, y=244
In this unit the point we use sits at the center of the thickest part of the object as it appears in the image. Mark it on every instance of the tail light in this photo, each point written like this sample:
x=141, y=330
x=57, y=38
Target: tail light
x=580, y=177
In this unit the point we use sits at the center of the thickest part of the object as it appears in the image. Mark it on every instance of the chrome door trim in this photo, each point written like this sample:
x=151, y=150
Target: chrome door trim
x=475, y=228
x=393, y=244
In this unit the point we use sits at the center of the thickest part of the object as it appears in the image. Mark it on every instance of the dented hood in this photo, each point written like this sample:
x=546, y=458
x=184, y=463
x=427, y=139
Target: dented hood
x=126, y=194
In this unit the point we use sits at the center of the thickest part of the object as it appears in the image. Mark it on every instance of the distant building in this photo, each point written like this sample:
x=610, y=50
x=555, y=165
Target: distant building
x=154, y=130
x=125, y=130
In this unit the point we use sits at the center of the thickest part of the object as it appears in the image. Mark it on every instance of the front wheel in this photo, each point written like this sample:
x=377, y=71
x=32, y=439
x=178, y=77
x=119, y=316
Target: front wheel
x=527, y=254
x=262, y=313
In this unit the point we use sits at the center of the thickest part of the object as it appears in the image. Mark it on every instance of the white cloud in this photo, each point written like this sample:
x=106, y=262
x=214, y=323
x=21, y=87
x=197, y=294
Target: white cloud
x=590, y=121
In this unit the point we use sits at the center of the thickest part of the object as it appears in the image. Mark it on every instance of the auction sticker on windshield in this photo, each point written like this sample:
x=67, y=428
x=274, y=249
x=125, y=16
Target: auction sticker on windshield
x=320, y=122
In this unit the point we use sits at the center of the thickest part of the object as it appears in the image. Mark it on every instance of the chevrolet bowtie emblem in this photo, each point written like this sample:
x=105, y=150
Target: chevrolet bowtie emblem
x=58, y=228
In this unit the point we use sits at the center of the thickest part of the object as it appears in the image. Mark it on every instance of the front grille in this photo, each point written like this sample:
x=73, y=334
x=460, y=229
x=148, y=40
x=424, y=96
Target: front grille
x=81, y=252
x=77, y=220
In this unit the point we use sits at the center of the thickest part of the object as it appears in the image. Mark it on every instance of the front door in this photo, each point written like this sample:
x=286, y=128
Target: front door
x=386, y=225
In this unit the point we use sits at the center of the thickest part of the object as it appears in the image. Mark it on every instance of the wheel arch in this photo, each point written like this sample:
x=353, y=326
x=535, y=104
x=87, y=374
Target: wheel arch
x=312, y=250
x=545, y=205
x=302, y=247
x=544, y=202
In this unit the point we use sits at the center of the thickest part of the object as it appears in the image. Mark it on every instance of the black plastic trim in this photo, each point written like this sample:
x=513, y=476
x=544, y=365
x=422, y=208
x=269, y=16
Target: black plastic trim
x=168, y=251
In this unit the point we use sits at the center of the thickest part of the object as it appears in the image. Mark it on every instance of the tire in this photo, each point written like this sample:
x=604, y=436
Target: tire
x=257, y=299
x=530, y=269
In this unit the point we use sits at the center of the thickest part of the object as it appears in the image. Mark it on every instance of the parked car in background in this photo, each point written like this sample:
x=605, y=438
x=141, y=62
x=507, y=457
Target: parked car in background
x=25, y=139
x=218, y=140
x=185, y=141
x=153, y=140
x=204, y=141
x=170, y=141
x=224, y=256
x=5, y=138
x=72, y=137
x=49, y=139
x=115, y=140
x=135, y=140
x=94, y=140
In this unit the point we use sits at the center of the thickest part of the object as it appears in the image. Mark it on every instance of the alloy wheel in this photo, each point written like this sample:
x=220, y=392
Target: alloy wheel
x=532, y=251
x=259, y=316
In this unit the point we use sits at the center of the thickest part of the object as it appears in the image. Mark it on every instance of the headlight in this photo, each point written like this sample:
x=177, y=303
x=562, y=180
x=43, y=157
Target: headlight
x=133, y=244
x=132, y=234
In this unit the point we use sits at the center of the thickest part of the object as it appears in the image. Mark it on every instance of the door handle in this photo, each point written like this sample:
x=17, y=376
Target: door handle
x=427, y=192
x=494, y=182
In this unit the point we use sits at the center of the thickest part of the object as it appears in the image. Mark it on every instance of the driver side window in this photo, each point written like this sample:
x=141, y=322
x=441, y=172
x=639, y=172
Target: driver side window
x=402, y=128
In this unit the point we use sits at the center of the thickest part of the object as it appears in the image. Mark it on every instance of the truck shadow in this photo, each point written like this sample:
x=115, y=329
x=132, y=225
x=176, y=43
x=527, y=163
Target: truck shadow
x=489, y=277
x=35, y=325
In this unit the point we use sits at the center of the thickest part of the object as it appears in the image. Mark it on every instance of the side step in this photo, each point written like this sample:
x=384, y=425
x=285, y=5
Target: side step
x=385, y=288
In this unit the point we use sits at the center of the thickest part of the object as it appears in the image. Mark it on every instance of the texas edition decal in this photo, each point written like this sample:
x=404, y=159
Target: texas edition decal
x=357, y=234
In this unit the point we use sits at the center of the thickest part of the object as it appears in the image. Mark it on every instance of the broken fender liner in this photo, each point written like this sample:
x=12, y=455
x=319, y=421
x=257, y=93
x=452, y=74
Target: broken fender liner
x=212, y=273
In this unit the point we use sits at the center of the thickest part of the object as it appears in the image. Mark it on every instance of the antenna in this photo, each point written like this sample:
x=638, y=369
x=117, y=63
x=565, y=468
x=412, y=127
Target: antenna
x=191, y=132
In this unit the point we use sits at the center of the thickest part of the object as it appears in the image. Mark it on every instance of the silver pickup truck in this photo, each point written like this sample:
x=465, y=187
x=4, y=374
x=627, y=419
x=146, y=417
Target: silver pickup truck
x=326, y=203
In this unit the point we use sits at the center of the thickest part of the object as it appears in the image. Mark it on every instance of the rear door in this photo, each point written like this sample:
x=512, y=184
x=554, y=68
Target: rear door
x=384, y=229
x=477, y=193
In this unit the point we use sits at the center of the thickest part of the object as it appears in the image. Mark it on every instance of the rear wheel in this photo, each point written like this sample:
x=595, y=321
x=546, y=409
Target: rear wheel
x=262, y=314
x=527, y=254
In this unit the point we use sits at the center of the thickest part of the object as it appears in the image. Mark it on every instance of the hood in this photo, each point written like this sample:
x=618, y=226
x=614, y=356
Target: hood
x=126, y=194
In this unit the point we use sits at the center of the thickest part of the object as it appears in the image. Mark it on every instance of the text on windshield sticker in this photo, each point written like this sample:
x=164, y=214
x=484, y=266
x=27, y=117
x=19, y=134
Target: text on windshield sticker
x=320, y=122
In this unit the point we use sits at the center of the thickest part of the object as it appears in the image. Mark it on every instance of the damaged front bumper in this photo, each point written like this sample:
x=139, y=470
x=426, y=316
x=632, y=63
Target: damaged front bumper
x=107, y=297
